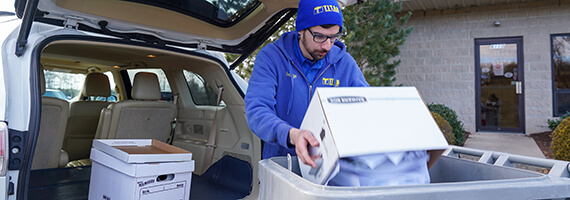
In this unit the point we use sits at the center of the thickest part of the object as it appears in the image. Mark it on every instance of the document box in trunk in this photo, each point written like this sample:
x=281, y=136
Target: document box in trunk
x=139, y=169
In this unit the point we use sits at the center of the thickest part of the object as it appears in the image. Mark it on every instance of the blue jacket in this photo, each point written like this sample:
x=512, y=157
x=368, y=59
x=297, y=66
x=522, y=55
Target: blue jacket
x=278, y=94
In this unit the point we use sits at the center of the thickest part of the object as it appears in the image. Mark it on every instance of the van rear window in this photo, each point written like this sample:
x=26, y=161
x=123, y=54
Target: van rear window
x=222, y=13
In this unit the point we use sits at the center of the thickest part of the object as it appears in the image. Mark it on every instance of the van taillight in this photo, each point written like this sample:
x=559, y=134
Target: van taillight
x=3, y=148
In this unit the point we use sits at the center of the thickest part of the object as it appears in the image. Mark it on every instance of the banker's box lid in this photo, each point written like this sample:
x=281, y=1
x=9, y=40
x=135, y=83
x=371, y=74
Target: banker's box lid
x=141, y=150
x=369, y=120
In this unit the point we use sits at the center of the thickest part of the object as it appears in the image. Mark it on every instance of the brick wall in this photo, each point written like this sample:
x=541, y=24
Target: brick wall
x=439, y=59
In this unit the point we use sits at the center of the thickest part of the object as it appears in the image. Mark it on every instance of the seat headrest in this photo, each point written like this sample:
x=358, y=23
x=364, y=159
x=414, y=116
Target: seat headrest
x=146, y=86
x=42, y=80
x=96, y=84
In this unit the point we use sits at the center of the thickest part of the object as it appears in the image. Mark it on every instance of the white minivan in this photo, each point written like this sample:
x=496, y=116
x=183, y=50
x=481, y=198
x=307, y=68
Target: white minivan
x=155, y=69
x=94, y=51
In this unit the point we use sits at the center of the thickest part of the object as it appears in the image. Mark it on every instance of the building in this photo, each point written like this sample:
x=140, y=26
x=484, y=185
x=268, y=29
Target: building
x=502, y=65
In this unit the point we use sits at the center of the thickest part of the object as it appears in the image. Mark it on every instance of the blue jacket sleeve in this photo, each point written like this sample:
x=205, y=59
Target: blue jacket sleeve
x=260, y=102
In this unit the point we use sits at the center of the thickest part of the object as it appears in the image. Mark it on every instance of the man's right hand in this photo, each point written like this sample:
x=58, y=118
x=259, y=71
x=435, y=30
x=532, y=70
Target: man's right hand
x=302, y=139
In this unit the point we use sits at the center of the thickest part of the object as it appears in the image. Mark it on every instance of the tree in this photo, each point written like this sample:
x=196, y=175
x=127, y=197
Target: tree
x=374, y=35
x=244, y=69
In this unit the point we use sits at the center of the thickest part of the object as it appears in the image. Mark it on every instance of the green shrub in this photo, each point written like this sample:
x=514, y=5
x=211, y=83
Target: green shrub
x=444, y=127
x=453, y=120
x=560, y=144
x=552, y=124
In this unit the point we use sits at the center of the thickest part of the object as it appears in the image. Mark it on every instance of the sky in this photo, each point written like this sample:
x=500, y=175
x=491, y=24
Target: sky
x=7, y=23
x=7, y=5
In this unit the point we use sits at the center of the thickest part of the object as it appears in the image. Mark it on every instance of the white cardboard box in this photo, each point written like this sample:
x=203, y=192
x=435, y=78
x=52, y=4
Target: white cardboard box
x=354, y=121
x=139, y=169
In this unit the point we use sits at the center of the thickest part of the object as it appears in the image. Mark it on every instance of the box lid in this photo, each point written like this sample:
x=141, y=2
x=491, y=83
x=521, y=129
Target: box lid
x=140, y=169
x=141, y=150
x=368, y=120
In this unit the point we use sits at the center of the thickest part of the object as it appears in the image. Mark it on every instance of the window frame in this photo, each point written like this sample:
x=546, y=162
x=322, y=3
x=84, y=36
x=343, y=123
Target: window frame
x=555, y=91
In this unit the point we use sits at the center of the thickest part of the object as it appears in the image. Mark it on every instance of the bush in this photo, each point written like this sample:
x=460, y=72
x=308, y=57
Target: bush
x=444, y=127
x=560, y=144
x=451, y=117
x=552, y=124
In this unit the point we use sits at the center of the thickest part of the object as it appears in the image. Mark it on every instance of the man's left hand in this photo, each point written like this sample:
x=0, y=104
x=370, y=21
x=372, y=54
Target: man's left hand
x=302, y=139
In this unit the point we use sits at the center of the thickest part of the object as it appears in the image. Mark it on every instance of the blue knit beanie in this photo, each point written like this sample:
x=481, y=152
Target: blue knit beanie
x=318, y=12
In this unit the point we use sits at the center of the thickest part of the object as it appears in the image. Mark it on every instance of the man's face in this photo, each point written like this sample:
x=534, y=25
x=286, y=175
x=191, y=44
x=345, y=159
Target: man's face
x=313, y=50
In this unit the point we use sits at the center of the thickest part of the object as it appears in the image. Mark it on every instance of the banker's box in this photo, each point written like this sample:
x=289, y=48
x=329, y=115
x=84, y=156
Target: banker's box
x=139, y=169
x=354, y=121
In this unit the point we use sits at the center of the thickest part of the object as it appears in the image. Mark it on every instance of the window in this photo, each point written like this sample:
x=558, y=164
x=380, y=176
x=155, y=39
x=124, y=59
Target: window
x=218, y=12
x=64, y=85
x=561, y=73
x=202, y=93
x=166, y=92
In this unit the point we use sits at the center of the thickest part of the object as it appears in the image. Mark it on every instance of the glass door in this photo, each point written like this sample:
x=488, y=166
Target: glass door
x=499, y=77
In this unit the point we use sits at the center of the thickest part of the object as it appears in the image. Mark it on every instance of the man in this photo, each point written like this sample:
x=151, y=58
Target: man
x=285, y=76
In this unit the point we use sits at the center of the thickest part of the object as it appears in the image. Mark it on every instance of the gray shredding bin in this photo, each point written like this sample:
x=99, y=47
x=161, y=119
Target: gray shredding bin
x=492, y=177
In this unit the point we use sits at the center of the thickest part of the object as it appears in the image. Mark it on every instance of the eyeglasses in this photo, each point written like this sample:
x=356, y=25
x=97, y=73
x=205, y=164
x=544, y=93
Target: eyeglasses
x=320, y=38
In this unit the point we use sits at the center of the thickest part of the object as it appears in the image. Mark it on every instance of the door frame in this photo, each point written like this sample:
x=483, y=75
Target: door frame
x=520, y=63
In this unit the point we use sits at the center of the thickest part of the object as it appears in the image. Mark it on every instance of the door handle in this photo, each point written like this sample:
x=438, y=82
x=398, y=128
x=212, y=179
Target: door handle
x=518, y=87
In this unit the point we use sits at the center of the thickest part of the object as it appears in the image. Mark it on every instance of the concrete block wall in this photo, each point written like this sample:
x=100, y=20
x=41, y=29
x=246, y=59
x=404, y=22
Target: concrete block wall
x=439, y=58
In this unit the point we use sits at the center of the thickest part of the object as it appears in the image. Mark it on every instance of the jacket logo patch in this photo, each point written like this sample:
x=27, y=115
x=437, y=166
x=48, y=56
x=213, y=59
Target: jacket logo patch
x=289, y=75
x=331, y=82
x=347, y=99
x=325, y=8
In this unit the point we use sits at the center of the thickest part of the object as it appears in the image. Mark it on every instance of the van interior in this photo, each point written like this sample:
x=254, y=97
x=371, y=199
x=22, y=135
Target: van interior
x=121, y=90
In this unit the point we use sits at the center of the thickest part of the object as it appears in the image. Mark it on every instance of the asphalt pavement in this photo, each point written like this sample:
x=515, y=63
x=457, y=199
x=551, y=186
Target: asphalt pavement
x=513, y=143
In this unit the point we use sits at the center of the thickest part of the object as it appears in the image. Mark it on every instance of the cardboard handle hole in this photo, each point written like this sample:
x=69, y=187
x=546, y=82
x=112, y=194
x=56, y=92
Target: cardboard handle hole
x=165, y=177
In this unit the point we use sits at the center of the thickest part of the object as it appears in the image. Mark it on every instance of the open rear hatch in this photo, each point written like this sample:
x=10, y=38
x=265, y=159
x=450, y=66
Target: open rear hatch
x=227, y=26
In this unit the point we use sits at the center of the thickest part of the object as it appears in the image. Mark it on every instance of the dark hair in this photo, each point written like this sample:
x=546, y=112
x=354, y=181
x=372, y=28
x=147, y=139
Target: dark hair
x=327, y=25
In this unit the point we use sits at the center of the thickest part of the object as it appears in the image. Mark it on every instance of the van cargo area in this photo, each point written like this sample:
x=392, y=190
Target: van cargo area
x=229, y=178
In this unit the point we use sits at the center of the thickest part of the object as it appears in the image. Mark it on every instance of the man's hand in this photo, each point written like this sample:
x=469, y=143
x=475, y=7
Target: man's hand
x=302, y=139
